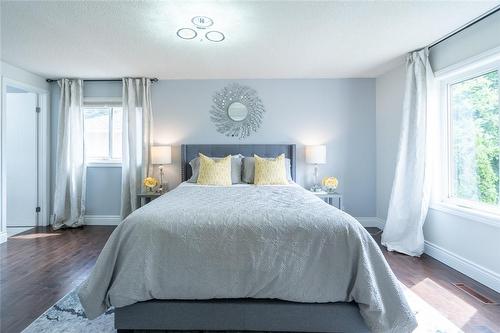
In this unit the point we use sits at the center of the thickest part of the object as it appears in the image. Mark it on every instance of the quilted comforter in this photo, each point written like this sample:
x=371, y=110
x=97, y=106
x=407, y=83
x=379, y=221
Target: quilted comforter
x=282, y=242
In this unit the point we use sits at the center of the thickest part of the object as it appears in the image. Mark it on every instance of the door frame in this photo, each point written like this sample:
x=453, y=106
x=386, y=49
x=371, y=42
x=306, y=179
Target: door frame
x=43, y=152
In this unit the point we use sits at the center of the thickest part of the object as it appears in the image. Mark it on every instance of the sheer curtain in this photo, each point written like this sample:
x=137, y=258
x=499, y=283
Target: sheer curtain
x=137, y=139
x=70, y=175
x=411, y=187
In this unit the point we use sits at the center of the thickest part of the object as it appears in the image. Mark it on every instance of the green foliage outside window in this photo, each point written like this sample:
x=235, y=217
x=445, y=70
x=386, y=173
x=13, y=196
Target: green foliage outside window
x=475, y=115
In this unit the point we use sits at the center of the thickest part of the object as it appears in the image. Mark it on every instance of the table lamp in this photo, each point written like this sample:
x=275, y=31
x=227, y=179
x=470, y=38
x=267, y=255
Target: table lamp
x=161, y=155
x=316, y=155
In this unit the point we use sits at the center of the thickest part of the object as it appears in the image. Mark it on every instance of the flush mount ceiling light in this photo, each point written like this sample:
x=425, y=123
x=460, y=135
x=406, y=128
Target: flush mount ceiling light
x=215, y=36
x=186, y=33
x=201, y=23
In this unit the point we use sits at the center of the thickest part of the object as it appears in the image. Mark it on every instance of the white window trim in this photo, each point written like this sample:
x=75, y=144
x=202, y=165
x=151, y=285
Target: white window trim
x=440, y=200
x=108, y=162
x=101, y=102
x=103, y=164
x=467, y=213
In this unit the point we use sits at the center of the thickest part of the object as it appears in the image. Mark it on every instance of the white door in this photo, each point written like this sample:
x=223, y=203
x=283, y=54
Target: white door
x=21, y=167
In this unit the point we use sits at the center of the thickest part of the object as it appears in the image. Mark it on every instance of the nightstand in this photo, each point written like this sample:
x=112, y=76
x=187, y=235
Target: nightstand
x=334, y=199
x=147, y=197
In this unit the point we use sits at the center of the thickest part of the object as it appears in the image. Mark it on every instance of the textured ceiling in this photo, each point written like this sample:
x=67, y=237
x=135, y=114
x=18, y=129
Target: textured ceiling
x=264, y=39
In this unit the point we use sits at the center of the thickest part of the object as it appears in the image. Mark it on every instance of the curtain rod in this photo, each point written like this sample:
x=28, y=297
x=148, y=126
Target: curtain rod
x=108, y=80
x=465, y=26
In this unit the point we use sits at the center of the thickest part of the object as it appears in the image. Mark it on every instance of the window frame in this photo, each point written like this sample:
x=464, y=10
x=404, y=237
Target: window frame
x=442, y=198
x=106, y=162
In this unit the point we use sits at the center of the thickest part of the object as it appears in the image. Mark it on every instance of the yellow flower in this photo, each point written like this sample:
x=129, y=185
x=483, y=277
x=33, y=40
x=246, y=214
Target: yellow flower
x=150, y=182
x=330, y=182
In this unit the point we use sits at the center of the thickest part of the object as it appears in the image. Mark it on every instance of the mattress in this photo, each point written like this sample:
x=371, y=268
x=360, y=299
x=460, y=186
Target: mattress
x=246, y=241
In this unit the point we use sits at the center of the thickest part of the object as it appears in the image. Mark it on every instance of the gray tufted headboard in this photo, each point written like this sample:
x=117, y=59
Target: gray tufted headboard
x=188, y=152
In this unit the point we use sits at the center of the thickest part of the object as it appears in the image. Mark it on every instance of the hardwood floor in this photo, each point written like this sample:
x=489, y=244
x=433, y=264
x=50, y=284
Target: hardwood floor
x=40, y=266
x=433, y=282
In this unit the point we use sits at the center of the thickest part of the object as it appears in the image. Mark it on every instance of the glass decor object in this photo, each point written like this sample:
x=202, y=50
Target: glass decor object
x=316, y=155
x=237, y=111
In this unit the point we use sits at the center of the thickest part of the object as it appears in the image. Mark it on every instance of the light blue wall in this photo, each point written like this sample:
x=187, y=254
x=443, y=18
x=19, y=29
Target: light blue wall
x=103, y=190
x=337, y=112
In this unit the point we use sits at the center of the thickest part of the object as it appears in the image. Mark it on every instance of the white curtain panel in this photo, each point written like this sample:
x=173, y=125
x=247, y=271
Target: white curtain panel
x=137, y=139
x=70, y=176
x=409, y=202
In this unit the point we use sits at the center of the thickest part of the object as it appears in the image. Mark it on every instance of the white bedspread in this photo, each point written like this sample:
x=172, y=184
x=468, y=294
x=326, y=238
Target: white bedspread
x=203, y=242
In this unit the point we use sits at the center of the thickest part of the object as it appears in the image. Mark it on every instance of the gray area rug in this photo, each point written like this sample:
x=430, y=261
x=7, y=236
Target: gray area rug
x=67, y=316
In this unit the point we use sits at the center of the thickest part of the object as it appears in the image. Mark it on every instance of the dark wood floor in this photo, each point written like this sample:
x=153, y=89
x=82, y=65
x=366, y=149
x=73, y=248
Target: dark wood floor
x=433, y=282
x=40, y=266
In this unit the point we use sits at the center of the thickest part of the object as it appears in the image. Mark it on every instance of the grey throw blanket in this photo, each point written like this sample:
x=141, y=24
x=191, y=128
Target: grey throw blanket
x=203, y=242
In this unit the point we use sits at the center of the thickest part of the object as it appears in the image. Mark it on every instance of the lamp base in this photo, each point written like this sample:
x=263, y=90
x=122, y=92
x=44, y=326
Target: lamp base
x=316, y=188
x=163, y=188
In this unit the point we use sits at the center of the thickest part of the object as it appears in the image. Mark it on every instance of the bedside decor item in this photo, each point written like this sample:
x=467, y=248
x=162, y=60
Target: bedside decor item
x=161, y=155
x=316, y=155
x=330, y=184
x=237, y=111
x=150, y=183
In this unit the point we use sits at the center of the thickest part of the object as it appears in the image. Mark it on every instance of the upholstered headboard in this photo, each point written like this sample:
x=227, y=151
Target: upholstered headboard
x=188, y=152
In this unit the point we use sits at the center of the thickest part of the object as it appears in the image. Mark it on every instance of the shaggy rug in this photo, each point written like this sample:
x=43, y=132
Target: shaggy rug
x=67, y=316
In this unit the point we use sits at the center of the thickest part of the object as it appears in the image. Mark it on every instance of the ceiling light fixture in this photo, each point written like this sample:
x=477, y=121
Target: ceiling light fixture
x=201, y=23
x=215, y=36
x=186, y=33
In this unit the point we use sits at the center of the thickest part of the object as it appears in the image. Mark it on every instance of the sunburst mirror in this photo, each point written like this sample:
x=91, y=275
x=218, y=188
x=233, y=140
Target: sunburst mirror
x=237, y=111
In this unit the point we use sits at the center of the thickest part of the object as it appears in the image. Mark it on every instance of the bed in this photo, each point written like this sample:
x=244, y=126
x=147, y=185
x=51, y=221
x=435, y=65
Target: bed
x=244, y=258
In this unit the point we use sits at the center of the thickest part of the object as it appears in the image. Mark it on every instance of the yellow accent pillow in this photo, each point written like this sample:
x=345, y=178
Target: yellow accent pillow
x=270, y=171
x=215, y=172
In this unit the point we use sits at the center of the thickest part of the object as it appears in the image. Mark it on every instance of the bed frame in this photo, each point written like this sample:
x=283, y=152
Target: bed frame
x=240, y=314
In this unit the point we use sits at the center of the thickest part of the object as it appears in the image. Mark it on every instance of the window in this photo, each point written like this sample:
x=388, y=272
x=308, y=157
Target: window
x=103, y=134
x=473, y=104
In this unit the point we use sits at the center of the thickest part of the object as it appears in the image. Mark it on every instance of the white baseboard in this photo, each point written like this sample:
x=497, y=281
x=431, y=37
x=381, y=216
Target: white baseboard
x=3, y=237
x=371, y=222
x=467, y=267
x=102, y=219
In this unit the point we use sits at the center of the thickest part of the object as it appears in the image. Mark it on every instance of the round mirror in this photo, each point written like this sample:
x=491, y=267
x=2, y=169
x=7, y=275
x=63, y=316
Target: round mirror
x=237, y=111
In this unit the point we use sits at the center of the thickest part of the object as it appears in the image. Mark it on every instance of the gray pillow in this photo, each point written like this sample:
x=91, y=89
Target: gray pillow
x=236, y=161
x=248, y=173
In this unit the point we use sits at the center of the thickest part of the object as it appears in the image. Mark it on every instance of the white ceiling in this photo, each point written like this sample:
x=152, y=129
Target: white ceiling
x=264, y=39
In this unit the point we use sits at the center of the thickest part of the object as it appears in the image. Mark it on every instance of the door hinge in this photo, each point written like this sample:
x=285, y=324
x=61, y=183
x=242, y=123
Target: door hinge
x=37, y=109
x=38, y=209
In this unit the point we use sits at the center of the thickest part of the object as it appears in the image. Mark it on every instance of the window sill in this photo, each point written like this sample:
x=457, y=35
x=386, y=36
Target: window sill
x=467, y=213
x=104, y=164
